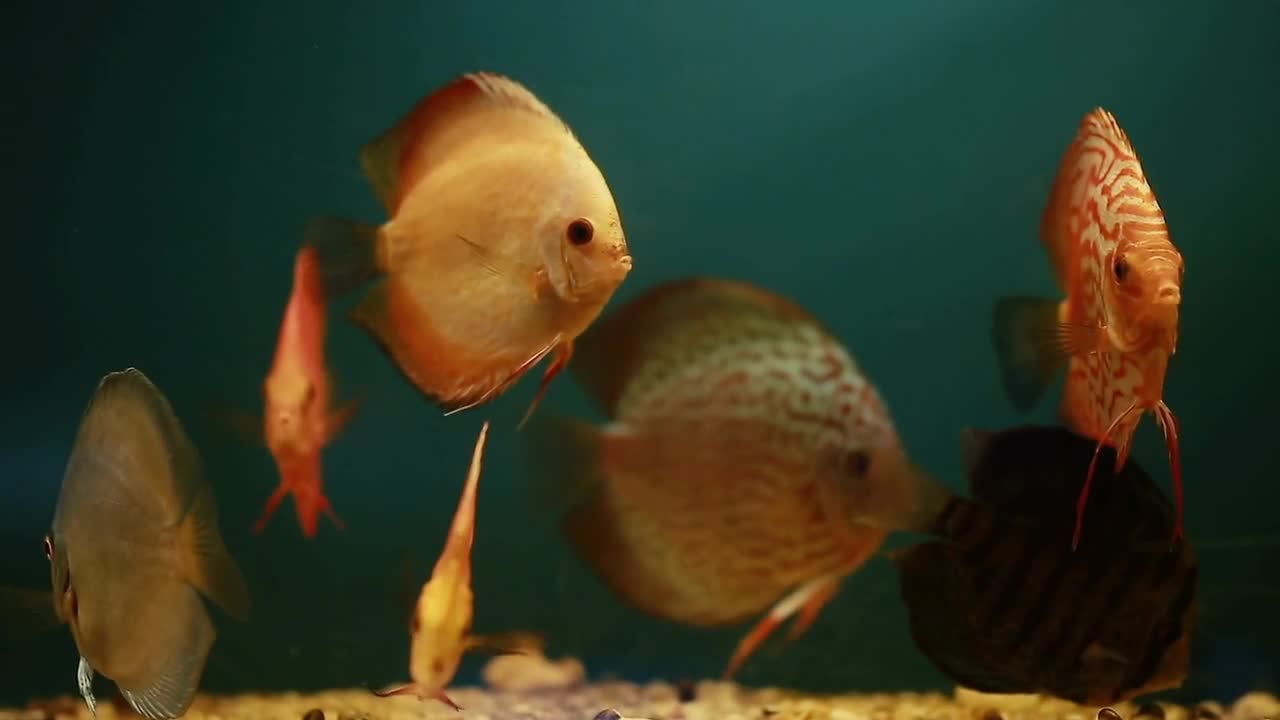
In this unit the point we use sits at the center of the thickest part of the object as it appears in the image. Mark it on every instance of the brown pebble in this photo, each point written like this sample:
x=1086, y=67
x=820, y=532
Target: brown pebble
x=313, y=714
x=1207, y=711
x=686, y=690
x=1107, y=713
x=1151, y=710
x=608, y=714
x=991, y=714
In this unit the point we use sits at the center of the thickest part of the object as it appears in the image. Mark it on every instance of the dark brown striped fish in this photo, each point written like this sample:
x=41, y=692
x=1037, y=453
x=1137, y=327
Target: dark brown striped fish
x=713, y=493
x=1002, y=604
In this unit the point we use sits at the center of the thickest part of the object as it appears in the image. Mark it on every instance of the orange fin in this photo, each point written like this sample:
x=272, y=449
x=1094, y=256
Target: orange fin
x=511, y=643
x=417, y=136
x=339, y=418
x=1169, y=426
x=500, y=387
x=1083, y=498
x=420, y=693
x=1028, y=344
x=809, y=597
x=269, y=509
x=563, y=353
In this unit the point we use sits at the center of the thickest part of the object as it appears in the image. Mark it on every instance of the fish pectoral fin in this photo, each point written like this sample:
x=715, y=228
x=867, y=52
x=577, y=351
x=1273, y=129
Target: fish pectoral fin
x=27, y=610
x=339, y=418
x=500, y=265
x=1025, y=332
x=246, y=426
x=206, y=564
x=509, y=643
x=501, y=386
x=809, y=598
x=419, y=692
x=1076, y=339
x=563, y=353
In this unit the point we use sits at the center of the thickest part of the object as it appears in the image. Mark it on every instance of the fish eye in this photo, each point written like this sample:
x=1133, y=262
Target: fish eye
x=48, y=547
x=1121, y=269
x=580, y=231
x=857, y=463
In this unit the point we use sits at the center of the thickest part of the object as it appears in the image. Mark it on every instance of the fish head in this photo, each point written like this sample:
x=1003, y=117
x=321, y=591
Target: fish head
x=1143, y=290
x=291, y=400
x=877, y=485
x=65, y=603
x=584, y=248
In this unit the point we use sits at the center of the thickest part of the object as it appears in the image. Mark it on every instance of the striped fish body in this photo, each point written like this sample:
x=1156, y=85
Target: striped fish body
x=733, y=411
x=1000, y=604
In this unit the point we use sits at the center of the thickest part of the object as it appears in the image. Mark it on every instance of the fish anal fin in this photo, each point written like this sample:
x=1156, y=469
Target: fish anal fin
x=1026, y=335
x=346, y=254
x=421, y=136
x=205, y=562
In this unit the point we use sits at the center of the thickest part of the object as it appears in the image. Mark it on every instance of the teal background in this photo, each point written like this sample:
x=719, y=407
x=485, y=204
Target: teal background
x=882, y=163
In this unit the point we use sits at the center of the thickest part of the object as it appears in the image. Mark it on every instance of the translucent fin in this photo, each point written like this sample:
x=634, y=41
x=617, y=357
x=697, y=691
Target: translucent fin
x=172, y=693
x=84, y=680
x=809, y=598
x=516, y=642
x=205, y=561
x=1025, y=331
x=346, y=251
x=565, y=455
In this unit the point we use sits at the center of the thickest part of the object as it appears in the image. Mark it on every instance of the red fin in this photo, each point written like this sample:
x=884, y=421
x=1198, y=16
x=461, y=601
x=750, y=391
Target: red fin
x=442, y=697
x=339, y=418
x=563, y=353
x=1083, y=499
x=816, y=593
x=1169, y=426
x=809, y=613
x=273, y=502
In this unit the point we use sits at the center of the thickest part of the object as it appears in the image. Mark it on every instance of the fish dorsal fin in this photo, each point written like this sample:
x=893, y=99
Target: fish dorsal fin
x=973, y=445
x=462, y=532
x=408, y=147
x=670, y=325
x=1100, y=121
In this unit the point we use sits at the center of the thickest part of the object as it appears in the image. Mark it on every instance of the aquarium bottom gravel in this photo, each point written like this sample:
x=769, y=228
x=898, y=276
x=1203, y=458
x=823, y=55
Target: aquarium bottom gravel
x=655, y=701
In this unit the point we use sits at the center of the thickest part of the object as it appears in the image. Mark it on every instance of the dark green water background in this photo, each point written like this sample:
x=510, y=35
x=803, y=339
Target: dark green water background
x=883, y=163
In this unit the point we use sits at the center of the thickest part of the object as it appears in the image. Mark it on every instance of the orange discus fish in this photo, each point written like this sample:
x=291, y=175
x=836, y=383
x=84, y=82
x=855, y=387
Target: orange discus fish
x=1118, y=325
x=297, y=423
x=718, y=488
x=503, y=244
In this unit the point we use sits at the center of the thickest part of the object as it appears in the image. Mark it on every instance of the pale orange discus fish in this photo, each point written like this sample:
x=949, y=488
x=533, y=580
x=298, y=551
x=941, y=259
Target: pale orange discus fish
x=440, y=629
x=297, y=423
x=503, y=245
x=720, y=486
x=1118, y=325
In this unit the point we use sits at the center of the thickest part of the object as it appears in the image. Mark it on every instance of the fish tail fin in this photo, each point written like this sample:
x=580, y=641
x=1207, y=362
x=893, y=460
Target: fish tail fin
x=206, y=563
x=346, y=252
x=566, y=454
x=1024, y=331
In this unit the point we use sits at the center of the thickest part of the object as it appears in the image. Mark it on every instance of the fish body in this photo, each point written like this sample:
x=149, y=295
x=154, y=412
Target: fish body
x=1000, y=604
x=503, y=243
x=134, y=544
x=440, y=629
x=711, y=494
x=298, y=421
x=1117, y=327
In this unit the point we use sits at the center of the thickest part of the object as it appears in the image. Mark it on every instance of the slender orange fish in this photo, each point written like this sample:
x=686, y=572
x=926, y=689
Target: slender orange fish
x=440, y=629
x=297, y=423
x=1118, y=325
x=714, y=492
x=503, y=242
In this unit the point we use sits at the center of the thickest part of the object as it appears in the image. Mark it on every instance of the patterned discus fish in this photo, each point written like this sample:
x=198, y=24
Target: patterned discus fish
x=712, y=493
x=503, y=245
x=298, y=424
x=999, y=604
x=1118, y=325
x=134, y=544
x=441, y=624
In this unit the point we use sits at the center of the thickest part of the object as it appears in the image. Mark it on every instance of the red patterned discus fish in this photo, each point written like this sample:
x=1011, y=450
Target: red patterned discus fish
x=715, y=491
x=1118, y=324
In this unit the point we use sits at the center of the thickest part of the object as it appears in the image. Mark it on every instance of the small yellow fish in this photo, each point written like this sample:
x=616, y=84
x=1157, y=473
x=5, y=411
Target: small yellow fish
x=441, y=626
x=503, y=245
x=715, y=491
x=134, y=544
